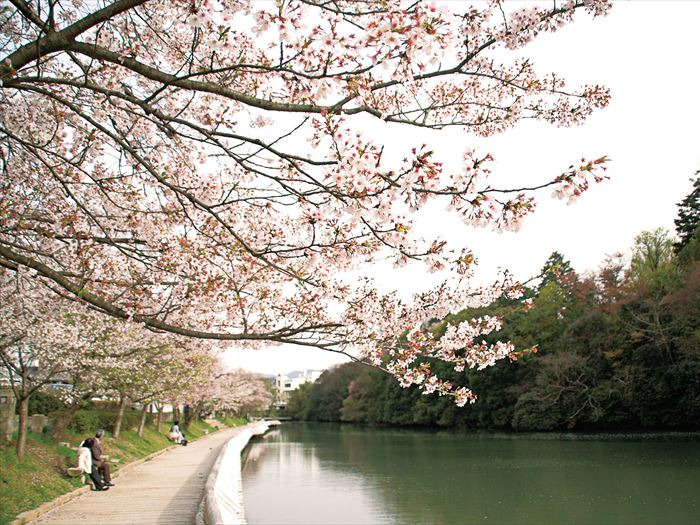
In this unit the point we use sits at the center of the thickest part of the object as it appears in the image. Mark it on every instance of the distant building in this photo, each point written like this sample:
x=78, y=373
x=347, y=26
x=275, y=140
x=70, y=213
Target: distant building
x=286, y=383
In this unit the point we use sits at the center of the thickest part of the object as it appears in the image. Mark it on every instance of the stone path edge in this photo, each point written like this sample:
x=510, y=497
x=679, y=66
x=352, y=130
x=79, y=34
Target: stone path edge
x=223, y=491
x=29, y=515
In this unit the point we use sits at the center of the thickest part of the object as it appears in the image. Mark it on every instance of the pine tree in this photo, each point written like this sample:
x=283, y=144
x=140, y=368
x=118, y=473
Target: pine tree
x=555, y=267
x=688, y=215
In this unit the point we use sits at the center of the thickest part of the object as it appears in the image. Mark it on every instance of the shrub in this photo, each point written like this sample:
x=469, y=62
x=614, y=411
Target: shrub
x=532, y=413
x=44, y=403
x=85, y=421
x=107, y=415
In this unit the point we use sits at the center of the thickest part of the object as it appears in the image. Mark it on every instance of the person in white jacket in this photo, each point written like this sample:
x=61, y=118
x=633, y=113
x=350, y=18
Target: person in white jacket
x=85, y=463
x=177, y=435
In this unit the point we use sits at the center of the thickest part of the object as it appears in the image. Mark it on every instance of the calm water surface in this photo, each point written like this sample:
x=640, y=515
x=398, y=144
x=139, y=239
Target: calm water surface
x=338, y=474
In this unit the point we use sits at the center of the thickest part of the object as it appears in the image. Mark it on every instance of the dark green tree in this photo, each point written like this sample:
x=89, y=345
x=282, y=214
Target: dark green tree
x=299, y=405
x=330, y=390
x=362, y=403
x=555, y=269
x=688, y=215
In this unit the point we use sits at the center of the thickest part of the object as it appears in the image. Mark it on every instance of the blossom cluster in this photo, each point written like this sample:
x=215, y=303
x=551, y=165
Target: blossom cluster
x=215, y=169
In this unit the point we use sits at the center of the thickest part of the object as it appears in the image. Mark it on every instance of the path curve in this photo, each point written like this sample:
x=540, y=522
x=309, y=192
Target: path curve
x=166, y=490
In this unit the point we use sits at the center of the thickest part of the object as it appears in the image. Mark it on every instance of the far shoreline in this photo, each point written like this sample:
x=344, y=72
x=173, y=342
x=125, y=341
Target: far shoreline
x=572, y=435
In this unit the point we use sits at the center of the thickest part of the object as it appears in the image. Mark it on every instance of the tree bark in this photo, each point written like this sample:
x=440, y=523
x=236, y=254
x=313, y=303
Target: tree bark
x=142, y=421
x=159, y=419
x=120, y=416
x=22, y=433
x=176, y=411
x=63, y=419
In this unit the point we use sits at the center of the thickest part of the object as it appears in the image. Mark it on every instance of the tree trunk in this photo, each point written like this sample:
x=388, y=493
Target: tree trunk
x=176, y=411
x=142, y=421
x=22, y=434
x=120, y=416
x=159, y=419
x=194, y=413
x=62, y=420
x=188, y=415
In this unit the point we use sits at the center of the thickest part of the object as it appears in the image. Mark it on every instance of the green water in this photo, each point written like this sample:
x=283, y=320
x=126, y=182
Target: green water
x=332, y=474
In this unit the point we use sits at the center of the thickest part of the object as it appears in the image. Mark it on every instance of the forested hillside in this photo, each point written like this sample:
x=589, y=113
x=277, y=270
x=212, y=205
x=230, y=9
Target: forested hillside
x=618, y=349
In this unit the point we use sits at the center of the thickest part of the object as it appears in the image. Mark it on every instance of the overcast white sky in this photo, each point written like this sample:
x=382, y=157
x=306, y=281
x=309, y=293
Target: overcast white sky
x=647, y=53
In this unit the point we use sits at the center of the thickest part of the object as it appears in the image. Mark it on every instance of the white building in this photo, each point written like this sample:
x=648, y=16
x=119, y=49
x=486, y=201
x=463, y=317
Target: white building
x=286, y=383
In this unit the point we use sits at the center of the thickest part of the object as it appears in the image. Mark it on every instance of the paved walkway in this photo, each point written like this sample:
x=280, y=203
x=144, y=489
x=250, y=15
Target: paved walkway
x=164, y=490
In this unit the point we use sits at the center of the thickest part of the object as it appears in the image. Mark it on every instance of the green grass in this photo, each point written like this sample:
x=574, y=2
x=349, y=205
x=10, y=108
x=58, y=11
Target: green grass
x=41, y=476
x=38, y=478
x=233, y=421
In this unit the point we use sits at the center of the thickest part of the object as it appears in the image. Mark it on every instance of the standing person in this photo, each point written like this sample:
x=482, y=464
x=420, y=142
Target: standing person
x=98, y=461
x=85, y=449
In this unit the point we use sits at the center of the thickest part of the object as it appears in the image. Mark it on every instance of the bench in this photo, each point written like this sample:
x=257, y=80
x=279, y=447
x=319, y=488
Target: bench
x=74, y=472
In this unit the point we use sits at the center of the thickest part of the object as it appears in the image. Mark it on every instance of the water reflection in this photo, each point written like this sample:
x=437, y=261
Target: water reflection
x=287, y=482
x=346, y=474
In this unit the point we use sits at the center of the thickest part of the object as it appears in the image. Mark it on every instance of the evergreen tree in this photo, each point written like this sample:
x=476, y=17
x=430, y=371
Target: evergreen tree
x=555, y=267
x=688, y=216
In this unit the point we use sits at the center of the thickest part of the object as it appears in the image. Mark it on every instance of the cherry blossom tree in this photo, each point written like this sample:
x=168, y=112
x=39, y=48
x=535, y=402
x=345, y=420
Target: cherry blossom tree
x=127, y=363
x=233, y=391
x=174, y=370
x=37, y=344
x=216, y=168
x=44, y=338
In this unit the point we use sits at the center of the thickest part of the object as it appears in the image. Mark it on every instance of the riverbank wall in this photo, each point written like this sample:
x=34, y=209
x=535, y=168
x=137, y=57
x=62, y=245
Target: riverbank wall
x=223, y=494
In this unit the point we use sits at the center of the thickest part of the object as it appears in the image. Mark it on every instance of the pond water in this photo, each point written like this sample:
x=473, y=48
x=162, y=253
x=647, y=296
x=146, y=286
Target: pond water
x=344, y=474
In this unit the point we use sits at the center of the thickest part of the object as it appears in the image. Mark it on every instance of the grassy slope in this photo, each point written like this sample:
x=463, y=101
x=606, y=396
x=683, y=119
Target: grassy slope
x=41, y=476
x=233, y=421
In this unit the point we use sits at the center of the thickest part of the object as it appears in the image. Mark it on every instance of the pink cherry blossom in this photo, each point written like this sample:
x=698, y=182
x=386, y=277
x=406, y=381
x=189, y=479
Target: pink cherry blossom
x=210, y=169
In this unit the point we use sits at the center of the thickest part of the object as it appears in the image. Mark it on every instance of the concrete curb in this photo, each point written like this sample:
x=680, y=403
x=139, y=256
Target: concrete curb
x=30, y=515
x=222, y=503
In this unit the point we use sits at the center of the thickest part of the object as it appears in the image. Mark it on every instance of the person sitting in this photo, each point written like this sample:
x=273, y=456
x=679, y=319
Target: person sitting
x=177, y=435
x=99, y=463
x=85, y=461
